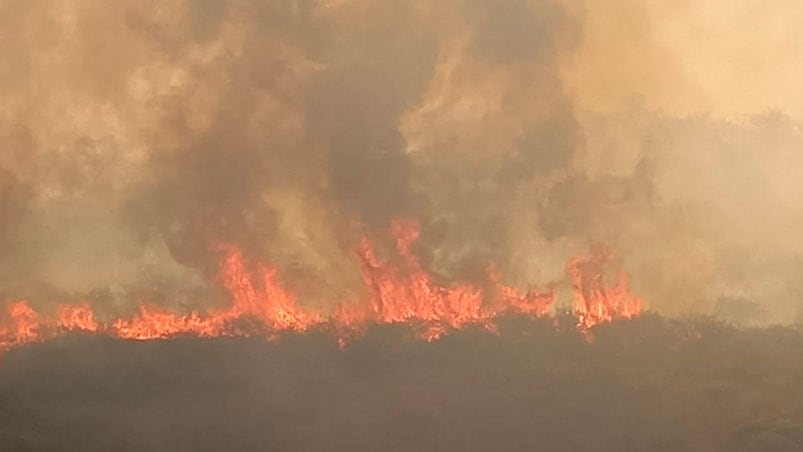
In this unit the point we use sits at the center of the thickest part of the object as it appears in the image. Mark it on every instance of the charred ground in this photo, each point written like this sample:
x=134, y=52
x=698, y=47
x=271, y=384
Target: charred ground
x=650, y=384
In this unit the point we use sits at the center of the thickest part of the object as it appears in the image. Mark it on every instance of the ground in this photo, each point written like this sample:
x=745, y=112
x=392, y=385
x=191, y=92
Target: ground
x=650, y=384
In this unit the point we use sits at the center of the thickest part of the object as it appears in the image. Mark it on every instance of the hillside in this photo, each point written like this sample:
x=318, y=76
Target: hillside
x=650, y=384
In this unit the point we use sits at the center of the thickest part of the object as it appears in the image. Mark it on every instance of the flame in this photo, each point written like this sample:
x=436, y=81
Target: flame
x=594, y=303
x=406, y=293
x=152, y=322
x=23, y=326
x=77, y=318
x=266, y=301
x=261, y=300
x=398, y=290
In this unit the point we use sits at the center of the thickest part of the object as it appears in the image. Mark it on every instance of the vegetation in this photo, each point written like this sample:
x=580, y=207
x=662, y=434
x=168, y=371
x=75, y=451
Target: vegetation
x=650, y=384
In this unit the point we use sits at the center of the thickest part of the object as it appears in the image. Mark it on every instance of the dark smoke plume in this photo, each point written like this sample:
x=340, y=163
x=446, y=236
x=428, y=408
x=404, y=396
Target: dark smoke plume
x=136, y=135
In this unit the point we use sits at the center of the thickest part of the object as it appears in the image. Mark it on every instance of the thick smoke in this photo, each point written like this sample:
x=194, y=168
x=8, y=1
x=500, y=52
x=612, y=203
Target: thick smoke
x=138, y=135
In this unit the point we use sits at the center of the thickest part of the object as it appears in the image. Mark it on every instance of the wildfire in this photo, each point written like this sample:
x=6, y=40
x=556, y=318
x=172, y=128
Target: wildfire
x=594, y=303
x=407, y=293
x=397, y=291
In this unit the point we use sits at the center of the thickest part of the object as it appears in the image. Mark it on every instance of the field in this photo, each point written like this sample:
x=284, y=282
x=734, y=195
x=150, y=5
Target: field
x=649, y=384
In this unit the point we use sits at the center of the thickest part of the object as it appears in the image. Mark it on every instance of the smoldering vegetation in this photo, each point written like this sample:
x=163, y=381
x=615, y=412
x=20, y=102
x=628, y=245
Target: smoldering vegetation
x=650, y=384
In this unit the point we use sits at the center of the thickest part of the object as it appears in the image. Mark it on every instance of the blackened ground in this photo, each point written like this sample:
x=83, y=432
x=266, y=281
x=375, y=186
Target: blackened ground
x=651, y=384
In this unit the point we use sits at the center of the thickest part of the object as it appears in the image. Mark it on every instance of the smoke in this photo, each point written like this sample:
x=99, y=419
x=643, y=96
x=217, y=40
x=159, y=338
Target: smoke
x=689, y=57
x=136, y=136
x=719, y=217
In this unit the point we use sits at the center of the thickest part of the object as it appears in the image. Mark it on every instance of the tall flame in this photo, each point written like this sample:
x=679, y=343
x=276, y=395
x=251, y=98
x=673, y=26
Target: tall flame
x=397, y=291
x=594, y=302
x=407, y=293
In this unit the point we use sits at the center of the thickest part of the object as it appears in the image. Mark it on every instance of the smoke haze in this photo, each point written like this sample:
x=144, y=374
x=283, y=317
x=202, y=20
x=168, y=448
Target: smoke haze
x=137, y=135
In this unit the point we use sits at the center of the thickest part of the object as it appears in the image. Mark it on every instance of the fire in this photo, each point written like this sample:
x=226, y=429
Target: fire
x=77, y=318
x=263, y=299
x=406, y=293
x=594, y=303
x=23, y=325
x=259, y=299
x=153, y=322
x=397, y=290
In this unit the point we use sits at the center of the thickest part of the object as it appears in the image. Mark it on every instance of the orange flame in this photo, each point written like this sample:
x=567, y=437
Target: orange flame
x=399, y=291
x=24, y=324
x=406, y=293
x=594, y=303
x=77, y=318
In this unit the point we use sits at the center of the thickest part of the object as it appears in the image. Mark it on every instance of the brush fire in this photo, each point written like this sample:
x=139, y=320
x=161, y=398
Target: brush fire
x=401, y=293
x=401, y=225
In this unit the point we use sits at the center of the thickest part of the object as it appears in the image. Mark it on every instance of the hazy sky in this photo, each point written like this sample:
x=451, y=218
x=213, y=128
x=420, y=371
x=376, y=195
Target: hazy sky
x=727, y=59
